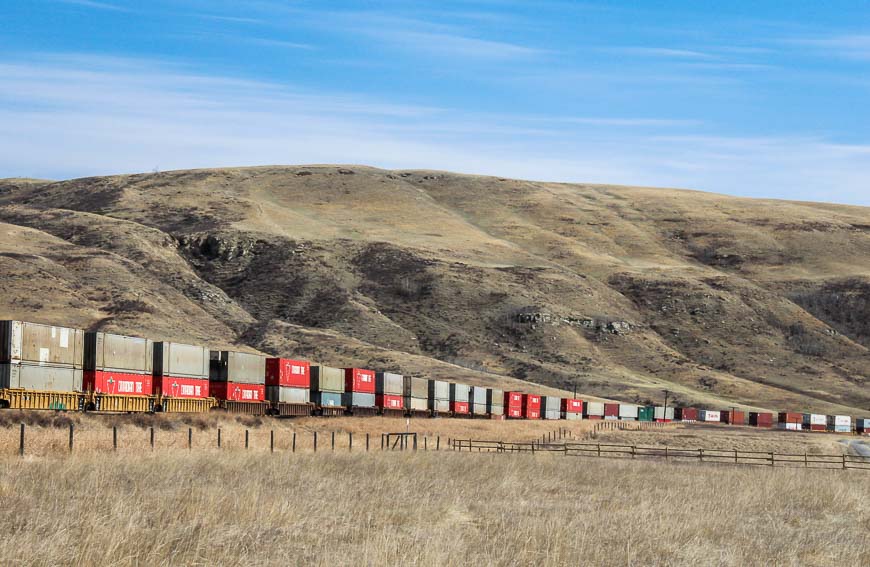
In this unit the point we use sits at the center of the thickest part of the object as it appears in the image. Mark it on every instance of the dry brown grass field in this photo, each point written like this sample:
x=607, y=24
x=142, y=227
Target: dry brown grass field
x=253, y=508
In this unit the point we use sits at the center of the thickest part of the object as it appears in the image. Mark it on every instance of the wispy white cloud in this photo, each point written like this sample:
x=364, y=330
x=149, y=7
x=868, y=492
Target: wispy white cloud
x=659, y=52
x=854, y=46
x=95, y=5
x=278, y=43
x=71, y=116
x=454, y=45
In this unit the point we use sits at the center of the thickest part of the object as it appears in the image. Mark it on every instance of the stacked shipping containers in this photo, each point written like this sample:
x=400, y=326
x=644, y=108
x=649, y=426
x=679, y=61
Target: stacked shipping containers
x=790, y=421
x=513, y=402
x=180, y=370
x=495, y=403
x=815, y=422
x=460, y=395
x=390, y=391
x=416, y=392
x=760, y=419
x=477, y=403
x=572, y=409
x=359, y=388
x=531, y=406
x=551, y=407
x=840, y=423
x=288, y=381
x=40, y=357
x=628, y=412
x=862, y=426
x=439, y=397
x=118, y=365
x=327, y=386
x=593, y=410
x=237, y=376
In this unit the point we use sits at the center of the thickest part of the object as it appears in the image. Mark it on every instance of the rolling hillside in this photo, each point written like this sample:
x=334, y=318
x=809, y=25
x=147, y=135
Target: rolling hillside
x=619, y=291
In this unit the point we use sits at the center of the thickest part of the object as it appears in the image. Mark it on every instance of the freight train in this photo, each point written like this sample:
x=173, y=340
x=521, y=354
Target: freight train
x=62, y=368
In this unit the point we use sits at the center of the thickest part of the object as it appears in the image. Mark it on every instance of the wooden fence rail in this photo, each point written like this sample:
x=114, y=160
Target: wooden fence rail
x=678, y=454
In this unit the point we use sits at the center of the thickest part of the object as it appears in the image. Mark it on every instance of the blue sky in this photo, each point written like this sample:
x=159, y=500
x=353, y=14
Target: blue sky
x=762, y=99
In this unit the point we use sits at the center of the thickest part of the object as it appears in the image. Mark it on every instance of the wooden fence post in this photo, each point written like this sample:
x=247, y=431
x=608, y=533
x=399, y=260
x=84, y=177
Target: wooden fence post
x=246, y=439
x=189, y=438
x=219, y=437
x=71, y=426
x=349, y=441
x=114, y=437
x=315, y=441
x=294, y=441
x=271, y=440
x=21, y=442
x=367, y=442
x=152, y=437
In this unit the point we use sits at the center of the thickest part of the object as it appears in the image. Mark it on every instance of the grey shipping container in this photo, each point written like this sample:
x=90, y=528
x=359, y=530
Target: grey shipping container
x=181, y=360
x=327, y=379
x=21, y=341
x=46, y=377
x=440, y=406
x=593, y=408
x=478, y=409
x=628, y=412
x=327, y=398
x=416, y=387
x=417, y=404
x=118, y=353
x=459, y=392
x=241, y=367
x=494, y=397
x=389, y=383
x=551, y=404
x=283, y=394
x=571, y=416
x=439, y=390
x=664, y=413
x=495, y=410
x=477, y=396
x=358, y=400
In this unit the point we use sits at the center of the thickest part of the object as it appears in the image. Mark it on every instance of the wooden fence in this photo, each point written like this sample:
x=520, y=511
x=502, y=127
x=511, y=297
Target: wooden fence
x=668, y=454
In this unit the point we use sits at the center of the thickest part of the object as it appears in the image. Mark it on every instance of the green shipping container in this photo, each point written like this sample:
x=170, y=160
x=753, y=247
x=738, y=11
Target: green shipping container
x=646, y=413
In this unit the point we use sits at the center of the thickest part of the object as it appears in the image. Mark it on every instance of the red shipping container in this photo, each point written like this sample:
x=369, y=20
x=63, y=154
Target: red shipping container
x=611, y=410
x=288, y=373
x=733, y=417
x=787, y=417
x=175, y=387
x=117, y=383
x=761, y=419
x=459, y=407
x=513, y=400
x=387, y=401
x=515, y=411
x=593, y=417
x=572, y=406
x=687, y=414
x=663, y=421
x=817, y=427
x=359, y=380
x=531, y=406
x=238, y=392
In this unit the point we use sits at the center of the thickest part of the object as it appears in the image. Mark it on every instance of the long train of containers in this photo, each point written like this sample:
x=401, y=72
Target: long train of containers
x=53, y=360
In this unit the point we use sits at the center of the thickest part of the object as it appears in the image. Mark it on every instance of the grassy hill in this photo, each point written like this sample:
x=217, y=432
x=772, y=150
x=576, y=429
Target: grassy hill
x=619, y=291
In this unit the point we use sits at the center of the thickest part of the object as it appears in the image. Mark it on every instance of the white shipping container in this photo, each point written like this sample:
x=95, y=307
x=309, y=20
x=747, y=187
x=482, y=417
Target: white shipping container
x=707, y=415
x=573, y=416
x=662, y=413
x=842, y=420
x=790, y=426
x=843, y=428
x=818, y=419
x=627, y=411
x=611, y=417
x=594, y=408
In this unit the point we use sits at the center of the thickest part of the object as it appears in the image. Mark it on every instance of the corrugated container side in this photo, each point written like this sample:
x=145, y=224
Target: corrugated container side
x=513, y=399
x=389, y=383
x=593, y=409
x=416, y=387
x=439, y=390
x=327, y=379
x=573, y=416
x=478, y=396
x=118, y=353
x=288, y=373
x=571, y=405
x=761, y=419
x=117, y=383
x=478, y=409
x=789, y=417
x=390, y=401
x=459, y=392
x=328, y=399
x=238, y=367
x=237, y=391
x=611, y=410
x=494, y=397
x=181, y=360
x=181, y=387
x=551, y=404
x=288, y=395
x=417, y=404
x=646, y=413
x=41, y=377
x=359, y=380
x=439, y=405
x=495, y=410
x=41, y=344
x=628, y=411
x=358, y=399
x=664, y=413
